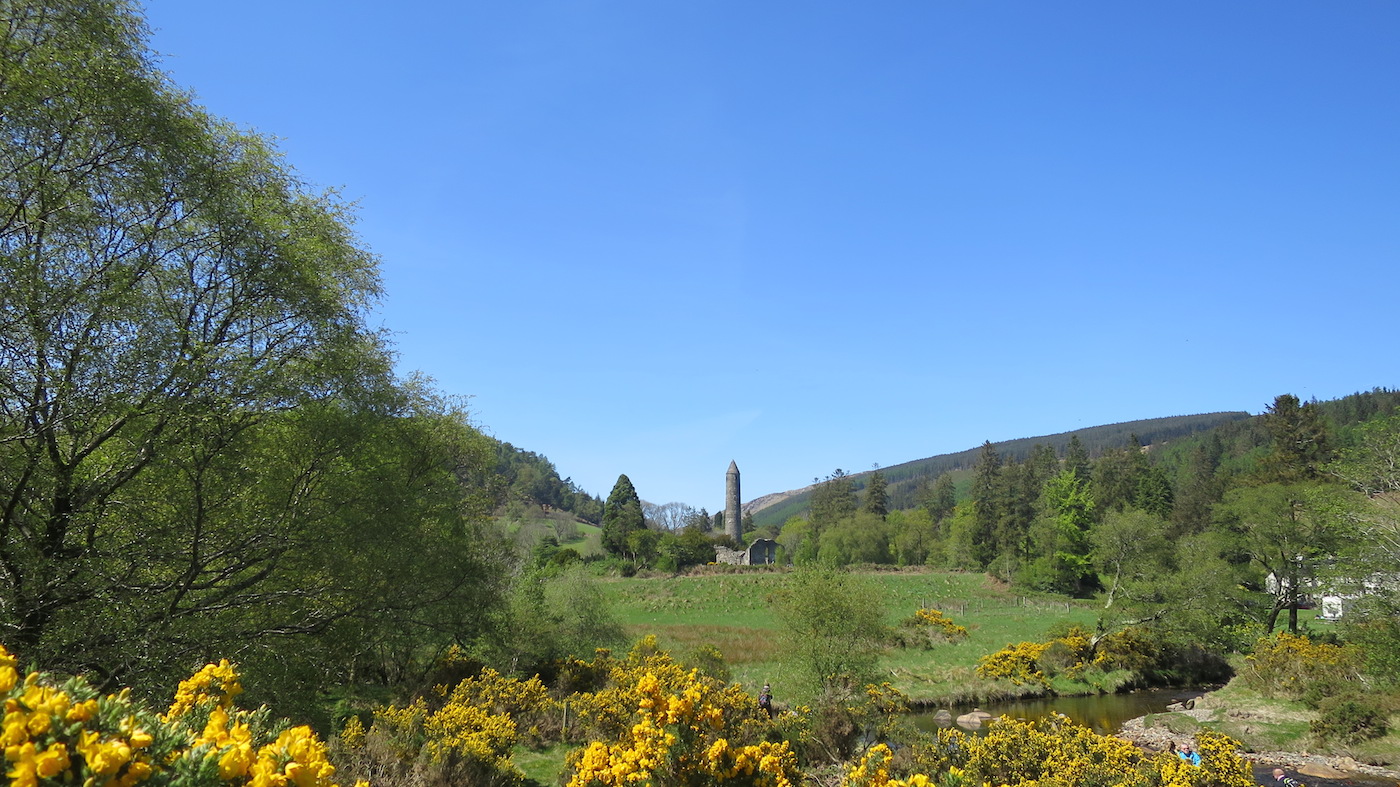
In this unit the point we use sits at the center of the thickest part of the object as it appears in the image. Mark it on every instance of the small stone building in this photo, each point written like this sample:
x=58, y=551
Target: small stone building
x=761, y=552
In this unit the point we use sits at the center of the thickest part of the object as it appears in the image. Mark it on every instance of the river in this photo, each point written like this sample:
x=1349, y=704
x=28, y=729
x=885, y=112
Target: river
x=1104, y=713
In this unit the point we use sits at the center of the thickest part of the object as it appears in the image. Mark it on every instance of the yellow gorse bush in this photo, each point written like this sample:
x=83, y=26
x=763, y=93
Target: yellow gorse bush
x=215, y=684
x=1286, y=663
x=1019, y=664
x=680, y=735
x=465, y=734
x=1055, y=752
x=68, y=733
x=941, y=623
x=1036, y=662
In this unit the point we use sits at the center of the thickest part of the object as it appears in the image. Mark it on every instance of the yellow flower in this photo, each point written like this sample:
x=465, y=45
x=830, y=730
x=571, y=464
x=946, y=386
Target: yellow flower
x=52, y=761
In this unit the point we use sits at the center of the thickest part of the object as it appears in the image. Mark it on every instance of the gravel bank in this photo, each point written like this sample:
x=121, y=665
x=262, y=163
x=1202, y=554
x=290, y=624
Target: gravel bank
x=1319, y=767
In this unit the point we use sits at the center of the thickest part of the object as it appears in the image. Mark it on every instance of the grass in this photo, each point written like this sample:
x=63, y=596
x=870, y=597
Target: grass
x=542, y=766
x=730, y=611
x=527, y=524
x=1262, y=723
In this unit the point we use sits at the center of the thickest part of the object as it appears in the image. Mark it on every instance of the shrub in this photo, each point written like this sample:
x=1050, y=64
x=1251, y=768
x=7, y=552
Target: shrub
x=1349, y=720
x=1037, y=662
x=1285, y=664
x=1019, y=664
x=1132, y=648
x=926, y=628
x=682, y=738
x=1055, y=752
x=65, y=731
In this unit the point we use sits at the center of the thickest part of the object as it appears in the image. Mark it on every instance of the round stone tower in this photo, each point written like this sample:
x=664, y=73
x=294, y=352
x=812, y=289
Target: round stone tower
x=733, y=520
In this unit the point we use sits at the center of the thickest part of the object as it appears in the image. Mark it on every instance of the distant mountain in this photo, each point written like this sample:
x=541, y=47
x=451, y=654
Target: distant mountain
x=904, y=479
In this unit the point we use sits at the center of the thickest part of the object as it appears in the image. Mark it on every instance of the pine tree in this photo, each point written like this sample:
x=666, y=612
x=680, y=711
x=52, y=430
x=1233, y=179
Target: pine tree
x=876, y=500
x=1077, y=459
x=988, y=502
x=622, y=514
x=833, y=500
x=1301, y=443
x=941, y=498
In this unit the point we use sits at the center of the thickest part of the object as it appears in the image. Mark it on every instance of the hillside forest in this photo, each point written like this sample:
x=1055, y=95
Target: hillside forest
x=213, y=484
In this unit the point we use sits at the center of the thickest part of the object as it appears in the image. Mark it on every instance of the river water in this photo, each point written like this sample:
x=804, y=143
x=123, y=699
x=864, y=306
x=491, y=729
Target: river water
x=1103, y=714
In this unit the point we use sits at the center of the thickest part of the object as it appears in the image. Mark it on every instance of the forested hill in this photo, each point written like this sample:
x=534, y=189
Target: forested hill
x=904, y=479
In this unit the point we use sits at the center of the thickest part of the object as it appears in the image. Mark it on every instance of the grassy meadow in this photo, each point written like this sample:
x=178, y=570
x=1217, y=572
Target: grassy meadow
x=729, y=611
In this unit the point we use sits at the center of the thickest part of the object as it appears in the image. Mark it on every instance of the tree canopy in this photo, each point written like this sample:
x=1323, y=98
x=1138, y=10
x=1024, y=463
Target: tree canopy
x=202, y=443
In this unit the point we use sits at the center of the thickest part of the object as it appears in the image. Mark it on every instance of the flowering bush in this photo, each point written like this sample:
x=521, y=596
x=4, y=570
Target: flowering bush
x=67, y=732
x=1288, y=664
x=1037, y=662
x=1019, y=664
x=1055, y=753
x=683, y=738
x=928, y=627
x=1130, y=648
x=463, y=735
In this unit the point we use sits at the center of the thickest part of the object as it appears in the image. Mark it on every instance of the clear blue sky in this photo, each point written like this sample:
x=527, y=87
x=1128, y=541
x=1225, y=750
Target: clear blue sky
x=651, y=237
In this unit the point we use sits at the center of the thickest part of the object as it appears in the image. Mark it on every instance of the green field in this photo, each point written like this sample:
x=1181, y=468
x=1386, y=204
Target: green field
x=730, y=611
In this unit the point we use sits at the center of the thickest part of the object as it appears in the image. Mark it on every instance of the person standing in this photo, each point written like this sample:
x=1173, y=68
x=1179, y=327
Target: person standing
x=765, y=700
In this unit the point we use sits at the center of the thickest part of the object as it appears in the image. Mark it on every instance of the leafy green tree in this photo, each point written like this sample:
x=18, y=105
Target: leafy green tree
x=1286, y=531
x=860, y=538
x=691, y=547
x=1186, y=593
x=1060, y=536
x=798, y=540
x=962, y=548
x=876, y=500
x=201, y=440
x=554, y=613
x=1371, y=465
x=916, y=537
x=642, y=545
x=832, y=625
x=1130, y=549
x=622, y=514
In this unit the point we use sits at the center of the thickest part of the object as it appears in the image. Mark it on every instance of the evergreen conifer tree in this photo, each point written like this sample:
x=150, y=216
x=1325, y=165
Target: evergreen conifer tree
x=622, y=514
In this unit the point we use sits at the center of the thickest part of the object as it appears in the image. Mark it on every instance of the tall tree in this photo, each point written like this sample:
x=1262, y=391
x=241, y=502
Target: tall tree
x=1301, y=444
x=876, y=501
x=988, y=504
x=192, y=404
x=1077, y=459
x=1060, y=536
x=622, y=514
x=940, y=498
x=834, y=499
x=1286, y=531
x=1199, y=490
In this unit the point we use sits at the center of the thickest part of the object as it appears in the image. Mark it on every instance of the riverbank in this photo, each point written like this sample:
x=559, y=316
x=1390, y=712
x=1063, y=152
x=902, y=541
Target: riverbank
x=1155, y=733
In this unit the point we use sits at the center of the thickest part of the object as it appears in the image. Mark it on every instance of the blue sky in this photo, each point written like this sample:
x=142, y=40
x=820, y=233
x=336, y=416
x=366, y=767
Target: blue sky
x=652, y=237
